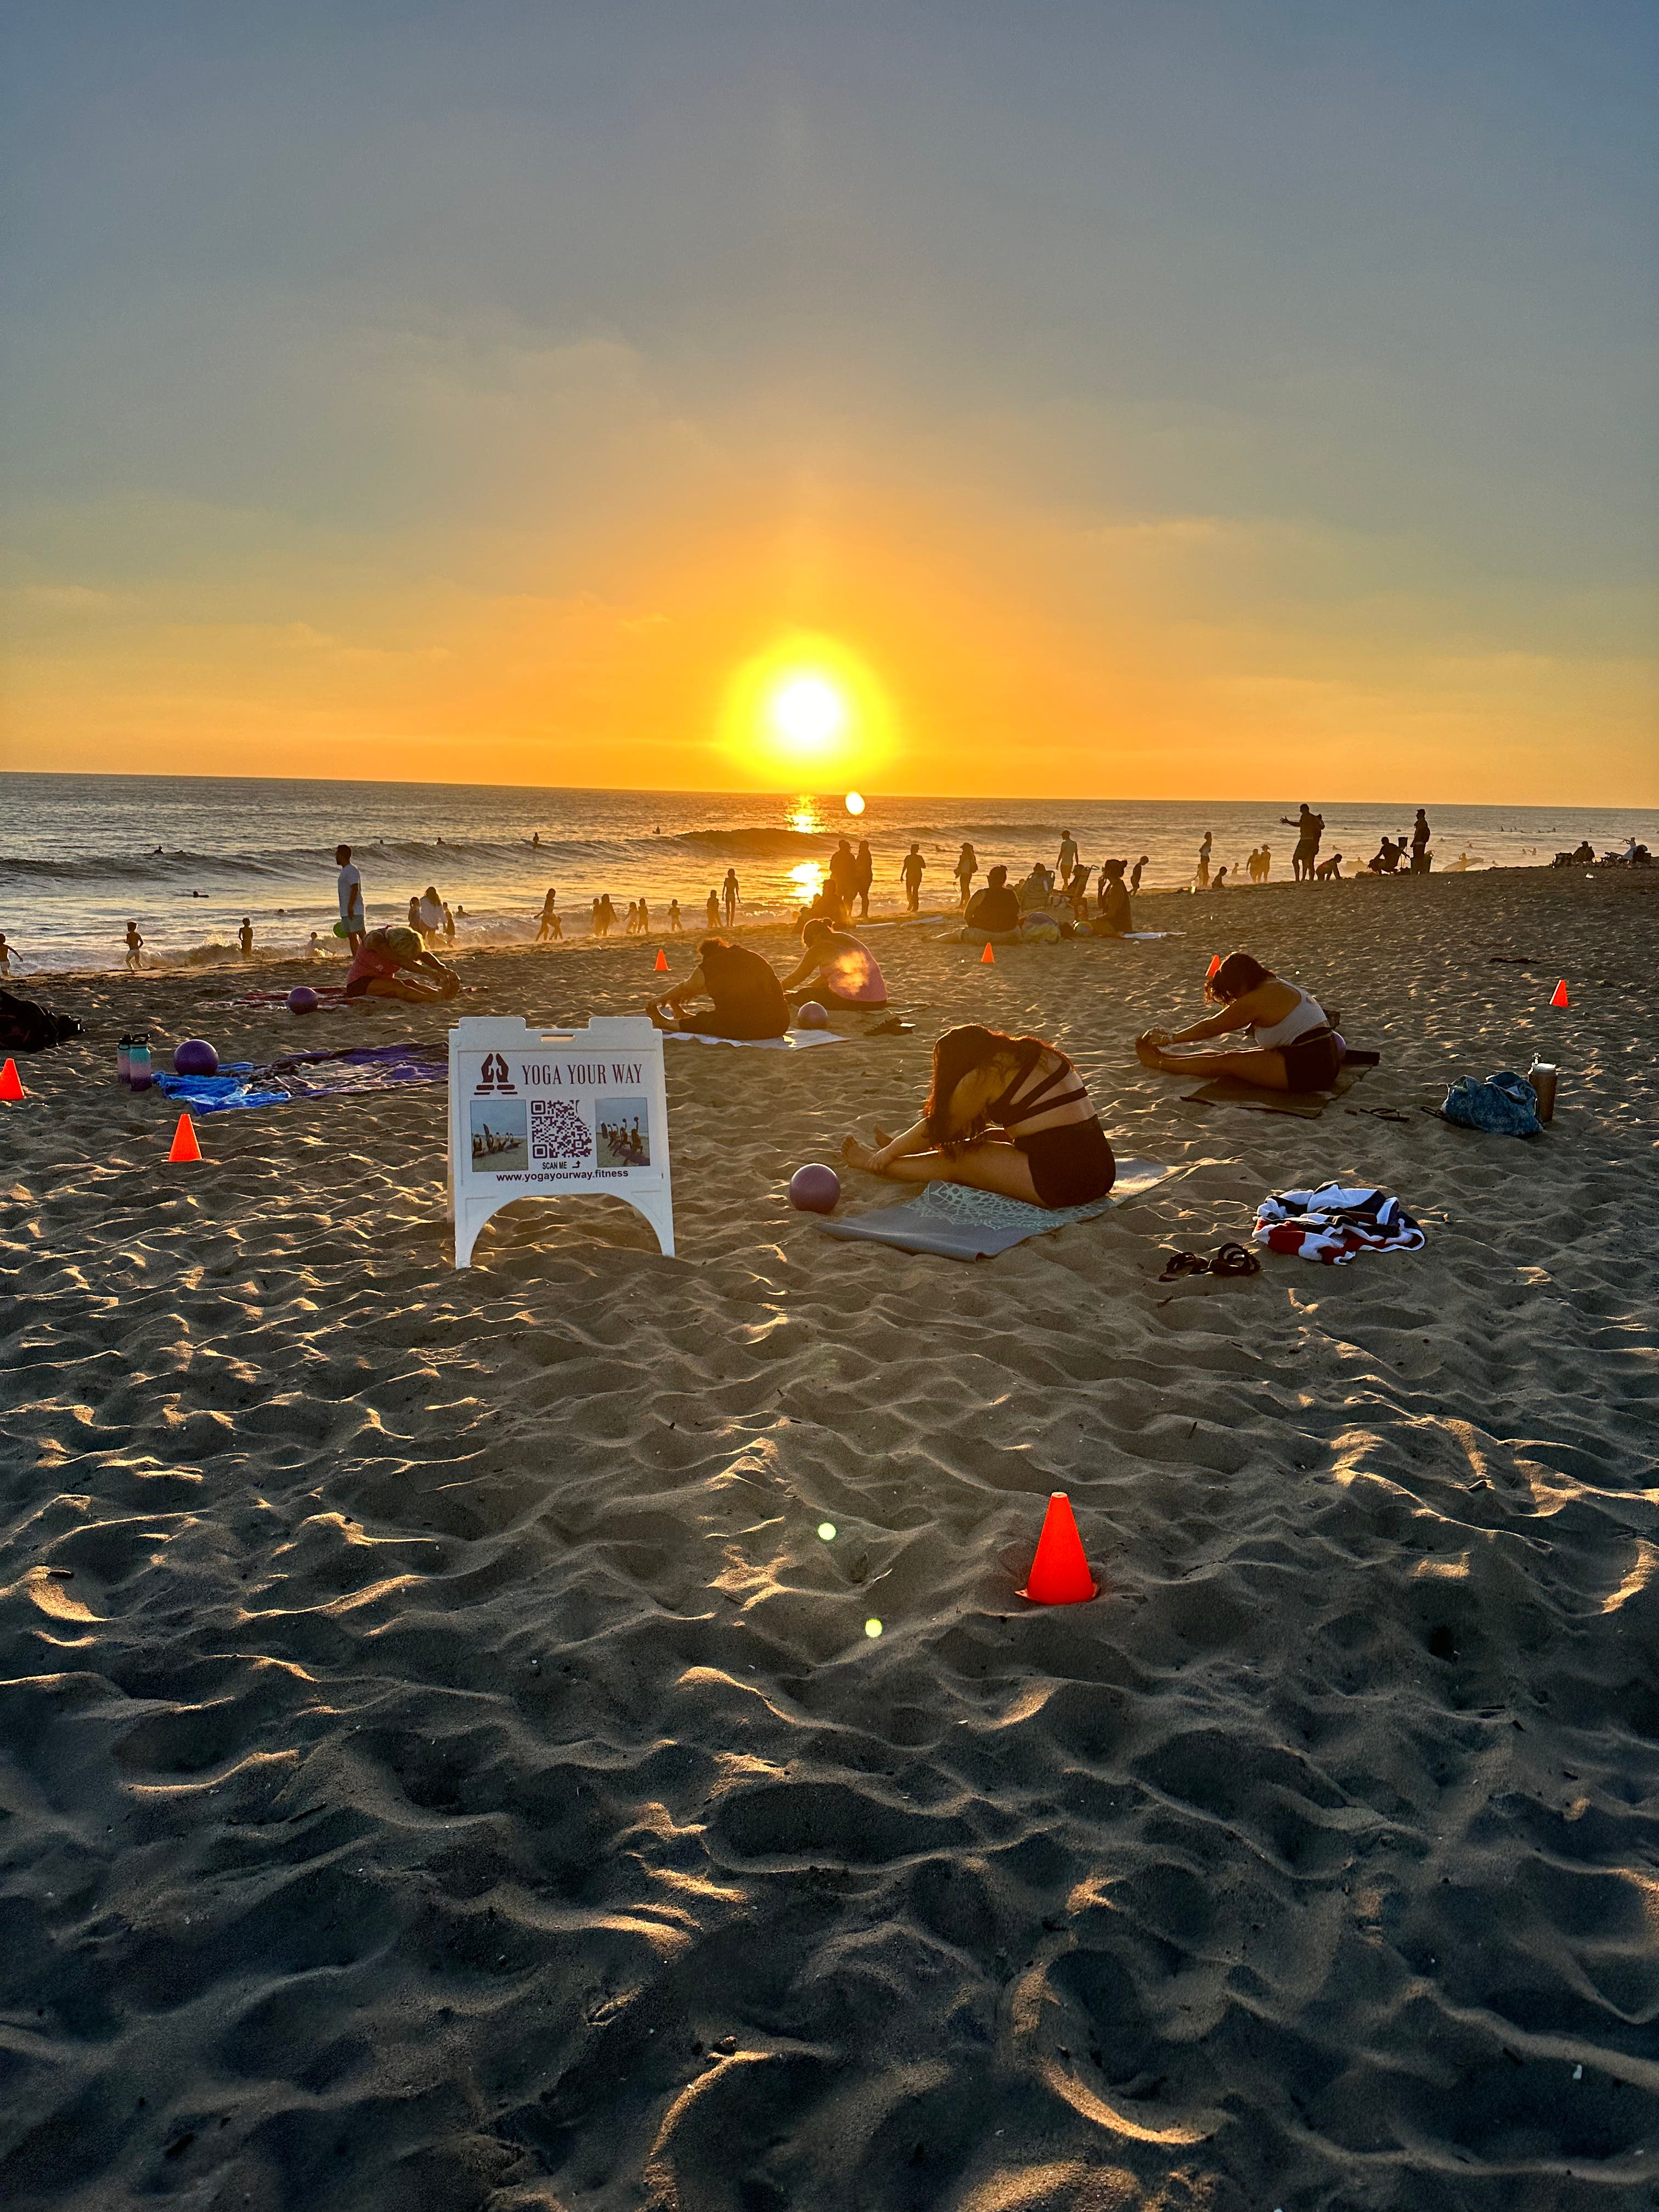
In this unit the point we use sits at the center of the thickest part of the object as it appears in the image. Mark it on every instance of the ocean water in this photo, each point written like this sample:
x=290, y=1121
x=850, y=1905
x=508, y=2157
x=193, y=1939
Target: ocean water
x=79, y=855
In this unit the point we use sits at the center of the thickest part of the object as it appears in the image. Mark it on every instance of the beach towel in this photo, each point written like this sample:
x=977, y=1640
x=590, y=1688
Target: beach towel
x=955, y=1222
x=1335, y=1223
x=348, y=1072
x=1505, y=1105
x=794, y=1040
x=1224, y=1091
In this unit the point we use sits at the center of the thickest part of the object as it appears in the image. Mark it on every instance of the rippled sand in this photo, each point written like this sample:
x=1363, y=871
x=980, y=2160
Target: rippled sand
x=443, y=1766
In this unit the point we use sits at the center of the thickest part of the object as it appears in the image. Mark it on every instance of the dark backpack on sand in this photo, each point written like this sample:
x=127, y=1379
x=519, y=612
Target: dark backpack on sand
x=27, y=1026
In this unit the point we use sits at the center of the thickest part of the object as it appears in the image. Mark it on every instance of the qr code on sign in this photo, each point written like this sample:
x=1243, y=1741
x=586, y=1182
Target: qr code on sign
x=558, y=1134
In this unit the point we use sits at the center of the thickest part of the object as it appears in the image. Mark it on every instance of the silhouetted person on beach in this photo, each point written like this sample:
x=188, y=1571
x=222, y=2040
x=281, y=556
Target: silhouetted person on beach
x=551, y=925
x=135, y=948
x=1309, y=828
x=244, y=938
x=864, y=877
x=1201, y=872
x=1113, y=918
x=1135, y=875
x=733, y=896
x=1420, y=836
x=967, y=868
x=910, y=871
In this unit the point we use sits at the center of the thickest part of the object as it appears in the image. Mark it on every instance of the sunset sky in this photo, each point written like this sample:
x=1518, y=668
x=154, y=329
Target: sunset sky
x=1144, y=400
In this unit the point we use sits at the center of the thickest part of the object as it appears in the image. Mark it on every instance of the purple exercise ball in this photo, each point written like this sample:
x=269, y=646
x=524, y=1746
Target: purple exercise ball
x=302, y=1000
x=195, y=1056
x=810, y=1015
x=814, y=1189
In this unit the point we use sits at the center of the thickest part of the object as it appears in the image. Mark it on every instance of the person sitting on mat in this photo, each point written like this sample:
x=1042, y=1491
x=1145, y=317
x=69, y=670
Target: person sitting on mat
x=748, y=999
x=994, y=912
x=1114, y=917
x=392, y=963
x=846, y=971
x=1008, y=1114
x=1293, y=1046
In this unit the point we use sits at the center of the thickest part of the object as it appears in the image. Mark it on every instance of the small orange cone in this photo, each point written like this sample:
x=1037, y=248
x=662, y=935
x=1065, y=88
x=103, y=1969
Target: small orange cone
x=662, y=962
x=185, y=1147
x=1060, y=1573
x=1214, y=968
x=11, y=1084
x=987, y=958
x=1557, y=997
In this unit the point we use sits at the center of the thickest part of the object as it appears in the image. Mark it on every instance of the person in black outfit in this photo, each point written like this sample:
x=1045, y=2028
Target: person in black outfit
x=1007, y=1114
x=994, y=912
x=748, y=1000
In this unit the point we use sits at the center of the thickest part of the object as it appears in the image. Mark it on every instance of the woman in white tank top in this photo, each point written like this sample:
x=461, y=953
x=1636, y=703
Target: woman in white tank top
x=1292, y=1046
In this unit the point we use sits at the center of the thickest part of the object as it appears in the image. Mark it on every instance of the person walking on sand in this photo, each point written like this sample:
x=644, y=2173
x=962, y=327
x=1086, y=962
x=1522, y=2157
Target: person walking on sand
x=1201, y=873
x=1067, y=859
x=910, y=873
x=135, y=949
x=350, y=888
x=550, y=925
x=733, y=896
x=244, y=938
x=966, y=869
x=1135, y=875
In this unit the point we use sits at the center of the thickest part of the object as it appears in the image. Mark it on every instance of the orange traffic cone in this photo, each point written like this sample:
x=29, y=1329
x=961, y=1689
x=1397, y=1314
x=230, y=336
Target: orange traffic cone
x=1060, y=1573
x=662, y=962
x=185, y=1147
x=1214, y=968
x=1557, y=997
x=11, y=1084
x=987, y=958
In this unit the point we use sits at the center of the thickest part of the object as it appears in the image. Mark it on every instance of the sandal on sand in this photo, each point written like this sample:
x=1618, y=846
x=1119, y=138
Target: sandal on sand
x=1235, y=1259
x=1176, y=1264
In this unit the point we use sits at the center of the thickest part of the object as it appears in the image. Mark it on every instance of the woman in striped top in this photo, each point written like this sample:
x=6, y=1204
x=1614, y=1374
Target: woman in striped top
x=1008, y=1114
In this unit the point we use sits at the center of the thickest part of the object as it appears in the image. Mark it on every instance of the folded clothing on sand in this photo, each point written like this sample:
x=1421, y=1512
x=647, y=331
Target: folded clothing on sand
x=353, y=1069
x=956, y=1223
x=1335, y=1222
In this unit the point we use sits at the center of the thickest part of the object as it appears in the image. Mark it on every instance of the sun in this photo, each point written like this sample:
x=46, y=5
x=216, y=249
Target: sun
x=807, y=705
x=808, y=713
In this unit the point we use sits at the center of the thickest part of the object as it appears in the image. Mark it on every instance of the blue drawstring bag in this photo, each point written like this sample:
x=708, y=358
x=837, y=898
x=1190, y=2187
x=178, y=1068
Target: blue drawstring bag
x=1504, y=1106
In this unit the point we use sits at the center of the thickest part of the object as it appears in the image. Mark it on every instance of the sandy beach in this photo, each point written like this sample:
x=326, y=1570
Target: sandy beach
x=444, y=1766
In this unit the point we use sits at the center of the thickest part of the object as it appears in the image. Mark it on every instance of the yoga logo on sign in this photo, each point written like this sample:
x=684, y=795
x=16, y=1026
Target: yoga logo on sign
x=543, y=1114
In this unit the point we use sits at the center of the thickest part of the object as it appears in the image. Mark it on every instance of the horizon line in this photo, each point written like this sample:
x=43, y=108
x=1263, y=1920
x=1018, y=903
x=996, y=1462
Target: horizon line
x=701, y=791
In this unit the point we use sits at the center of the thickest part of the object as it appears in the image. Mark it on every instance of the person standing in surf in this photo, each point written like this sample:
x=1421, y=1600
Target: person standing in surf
x=350, y=889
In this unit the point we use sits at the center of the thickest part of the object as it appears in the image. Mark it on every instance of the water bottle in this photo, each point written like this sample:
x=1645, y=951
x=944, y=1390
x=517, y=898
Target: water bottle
x=1541, y=1076
x=123, y=1062
x=138, y=1063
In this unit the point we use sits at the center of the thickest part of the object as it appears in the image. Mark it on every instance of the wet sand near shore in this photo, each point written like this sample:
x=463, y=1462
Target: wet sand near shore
x=444, y=1766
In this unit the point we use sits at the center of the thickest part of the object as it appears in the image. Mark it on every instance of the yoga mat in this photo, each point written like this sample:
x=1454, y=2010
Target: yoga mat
x=347, y=1074
x=795, y=1041
x=1307, y=1105
x=955, y=1222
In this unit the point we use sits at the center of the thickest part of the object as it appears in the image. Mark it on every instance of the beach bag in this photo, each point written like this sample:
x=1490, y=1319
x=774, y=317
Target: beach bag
x=27, y=1026
x=1504, y=1106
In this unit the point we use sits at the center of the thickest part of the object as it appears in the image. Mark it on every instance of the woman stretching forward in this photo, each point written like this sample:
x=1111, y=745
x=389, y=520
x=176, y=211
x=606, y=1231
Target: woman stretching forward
x=1008, y=1114
x=1293, y=1048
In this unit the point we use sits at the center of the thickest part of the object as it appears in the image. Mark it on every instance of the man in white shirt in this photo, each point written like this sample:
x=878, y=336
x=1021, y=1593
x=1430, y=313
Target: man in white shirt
x=351, y=899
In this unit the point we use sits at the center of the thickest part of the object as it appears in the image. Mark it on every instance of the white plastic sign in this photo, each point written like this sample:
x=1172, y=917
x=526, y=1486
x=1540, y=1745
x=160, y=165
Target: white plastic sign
x=541, y=1113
